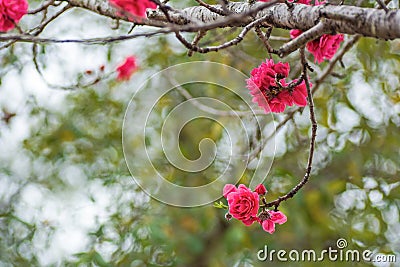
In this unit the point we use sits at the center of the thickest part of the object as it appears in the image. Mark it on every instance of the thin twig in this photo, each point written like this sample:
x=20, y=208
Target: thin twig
x=26, y=38
x=67, y=87
x=196, y=40
x=264, y=39
x=232, y=42
x=313, y=120
x=38, y=29
x=35, y=31
x=279, y=38
x=212, y=8
x=382, y=5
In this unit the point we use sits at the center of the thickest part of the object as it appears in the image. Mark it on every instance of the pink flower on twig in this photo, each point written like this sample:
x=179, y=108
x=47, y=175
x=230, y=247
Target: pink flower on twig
x=260, y=189
x=269, y=218
x=269, y=89
x=243, y=203
x=323, y=47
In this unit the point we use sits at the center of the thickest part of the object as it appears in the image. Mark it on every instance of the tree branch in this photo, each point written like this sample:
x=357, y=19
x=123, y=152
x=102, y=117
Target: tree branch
x=304, y=38
x=364, y=21
x=313, y=120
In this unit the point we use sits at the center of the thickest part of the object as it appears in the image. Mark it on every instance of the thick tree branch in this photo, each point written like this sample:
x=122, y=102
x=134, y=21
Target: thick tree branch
x=101, y=7
x=344, y=19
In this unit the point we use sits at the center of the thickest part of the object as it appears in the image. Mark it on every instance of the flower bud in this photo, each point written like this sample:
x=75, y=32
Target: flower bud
x=260, y=189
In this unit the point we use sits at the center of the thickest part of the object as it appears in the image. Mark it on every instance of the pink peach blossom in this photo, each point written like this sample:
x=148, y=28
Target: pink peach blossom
x=299, y=94
x=282, y=69
x=228, y=188
x=269, y=89
x=260, y=189
x=268, y=224
x=294, y=33
x=243, y=203
x=11, y=11
x=323, y=47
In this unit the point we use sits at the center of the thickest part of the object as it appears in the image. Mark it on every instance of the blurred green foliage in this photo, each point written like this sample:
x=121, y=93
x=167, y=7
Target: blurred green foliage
x=353, y=192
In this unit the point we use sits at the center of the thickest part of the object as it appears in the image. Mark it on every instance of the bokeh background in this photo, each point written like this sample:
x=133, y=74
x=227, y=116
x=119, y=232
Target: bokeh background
x=68, y=199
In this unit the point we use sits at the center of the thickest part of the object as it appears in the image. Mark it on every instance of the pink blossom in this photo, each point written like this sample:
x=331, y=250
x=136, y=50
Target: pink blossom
x=282, y=69
x=299, y=94
x=323, y=47
x=262, y=85
x=11, y=12
x=228, y=188
x=284, y=96
x=134, y=7
x=270, y=90
x=250, y=220
x=243, y=203
x=276, y=105
x=294, y=33
x=260, y=189
x=126, y=69
x=271, y=218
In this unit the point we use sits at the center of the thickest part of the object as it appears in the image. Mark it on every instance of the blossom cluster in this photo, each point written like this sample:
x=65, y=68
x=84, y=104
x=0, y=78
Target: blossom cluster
x=11, y=12
x=243, y=205
x=323, y=47
x=270, y=90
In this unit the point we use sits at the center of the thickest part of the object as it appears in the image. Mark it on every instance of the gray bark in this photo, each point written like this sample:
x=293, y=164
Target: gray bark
x=368, y=22
x=100, y=7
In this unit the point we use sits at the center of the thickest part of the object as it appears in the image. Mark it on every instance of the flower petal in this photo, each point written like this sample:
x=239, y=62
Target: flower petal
x=260, y=189
x=268, y=226
x=228, y=188
x=278, y=217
